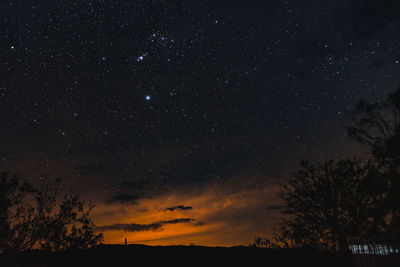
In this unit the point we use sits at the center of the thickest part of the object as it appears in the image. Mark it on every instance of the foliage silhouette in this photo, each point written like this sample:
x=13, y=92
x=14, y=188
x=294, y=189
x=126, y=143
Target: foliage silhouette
x=31, y=218
x=260, y=242
x=328, y=203
x=378, y=127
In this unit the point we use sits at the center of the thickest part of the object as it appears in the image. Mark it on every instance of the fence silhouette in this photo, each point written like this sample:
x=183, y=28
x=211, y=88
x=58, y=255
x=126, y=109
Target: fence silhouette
x=377, y=251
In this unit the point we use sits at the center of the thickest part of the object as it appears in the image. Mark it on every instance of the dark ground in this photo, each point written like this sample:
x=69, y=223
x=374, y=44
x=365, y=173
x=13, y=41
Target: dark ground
x=144, y=256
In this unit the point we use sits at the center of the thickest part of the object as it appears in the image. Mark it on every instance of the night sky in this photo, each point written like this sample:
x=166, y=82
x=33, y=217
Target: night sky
x=179, y=119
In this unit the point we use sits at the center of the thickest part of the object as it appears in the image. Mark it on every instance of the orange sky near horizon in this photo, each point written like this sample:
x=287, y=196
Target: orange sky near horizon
x=224, y=212
x=222, y=217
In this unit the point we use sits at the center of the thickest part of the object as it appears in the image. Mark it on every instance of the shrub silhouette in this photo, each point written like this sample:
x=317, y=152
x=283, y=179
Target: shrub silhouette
x=377, y=126
x=328, y=203
x=31, y=218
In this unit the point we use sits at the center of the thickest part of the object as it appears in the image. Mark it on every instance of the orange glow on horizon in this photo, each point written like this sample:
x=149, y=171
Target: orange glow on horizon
x=223, y=217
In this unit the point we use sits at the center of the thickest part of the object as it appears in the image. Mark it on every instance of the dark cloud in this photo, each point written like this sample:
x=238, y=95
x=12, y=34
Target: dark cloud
x=123, y=198
x=137, y=185
x=183, y=220
x=90, y=169
x=213, y=160
x=136, y=191
x=362, y=19
x=133, y=227
x=134, y=184
x=180, y=207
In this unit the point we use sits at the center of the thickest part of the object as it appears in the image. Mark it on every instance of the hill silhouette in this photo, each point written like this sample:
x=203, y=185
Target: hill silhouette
x=146, y=256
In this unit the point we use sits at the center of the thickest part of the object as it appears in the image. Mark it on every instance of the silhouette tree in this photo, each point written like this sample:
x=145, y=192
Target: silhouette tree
x=328, y=203
x=260, y=242
x=30, y=217
x=378, y=127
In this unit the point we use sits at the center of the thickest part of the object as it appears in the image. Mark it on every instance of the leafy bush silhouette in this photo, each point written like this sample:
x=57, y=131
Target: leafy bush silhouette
x=260, y=242
x=31, y=218
x=377, y=126
x=329, y=203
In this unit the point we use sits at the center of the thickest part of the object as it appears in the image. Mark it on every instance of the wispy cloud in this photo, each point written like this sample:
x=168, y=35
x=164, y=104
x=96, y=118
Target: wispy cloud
x=180, y=207
x=133, y=227
x=123, y=198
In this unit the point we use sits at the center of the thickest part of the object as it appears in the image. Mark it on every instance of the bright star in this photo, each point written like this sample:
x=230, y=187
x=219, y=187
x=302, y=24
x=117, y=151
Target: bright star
x=148, y=98
x=141, y=57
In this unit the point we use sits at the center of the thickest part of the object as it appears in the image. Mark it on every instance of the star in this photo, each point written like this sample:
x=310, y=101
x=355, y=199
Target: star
x=148, y=98
x=141, y=57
